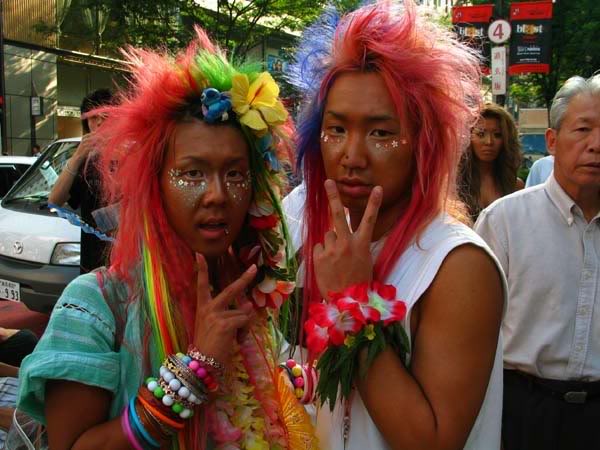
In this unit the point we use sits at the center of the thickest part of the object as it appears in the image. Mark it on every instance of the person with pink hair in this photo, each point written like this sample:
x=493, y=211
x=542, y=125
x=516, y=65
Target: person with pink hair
x=402, y=301
x=173, y=345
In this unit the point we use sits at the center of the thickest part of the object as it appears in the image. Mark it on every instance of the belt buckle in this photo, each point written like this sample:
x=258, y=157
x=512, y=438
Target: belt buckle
x=575, y=397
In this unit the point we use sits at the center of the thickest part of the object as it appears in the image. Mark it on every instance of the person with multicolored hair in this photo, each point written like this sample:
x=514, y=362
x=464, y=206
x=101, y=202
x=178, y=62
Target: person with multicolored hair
x=402, y=301
x=172, y=346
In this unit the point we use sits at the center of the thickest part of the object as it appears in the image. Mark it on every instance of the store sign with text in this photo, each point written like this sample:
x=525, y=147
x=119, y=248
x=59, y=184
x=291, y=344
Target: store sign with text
x=499, y=70
x=471, y=25
x=530, y=47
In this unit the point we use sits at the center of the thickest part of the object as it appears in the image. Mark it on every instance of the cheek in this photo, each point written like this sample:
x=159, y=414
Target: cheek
x=239, y=192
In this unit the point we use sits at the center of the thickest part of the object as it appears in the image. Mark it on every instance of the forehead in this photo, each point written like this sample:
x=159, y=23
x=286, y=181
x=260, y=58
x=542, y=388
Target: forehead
x=211, y=143
x=358, y=94
x=488, y=123
x=583, y=107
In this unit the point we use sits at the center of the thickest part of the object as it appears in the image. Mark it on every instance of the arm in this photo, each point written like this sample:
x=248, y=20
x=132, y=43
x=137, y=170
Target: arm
x=454, y=348
x=519, y=185
x=60, y=191
x=81, y=424
x=8, y=371
x=6, y=415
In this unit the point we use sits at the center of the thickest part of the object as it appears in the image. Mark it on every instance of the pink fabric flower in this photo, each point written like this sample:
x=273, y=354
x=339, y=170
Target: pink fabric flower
x=338, y=323
x=272, y=293
x=383, y=298
x=355, y=300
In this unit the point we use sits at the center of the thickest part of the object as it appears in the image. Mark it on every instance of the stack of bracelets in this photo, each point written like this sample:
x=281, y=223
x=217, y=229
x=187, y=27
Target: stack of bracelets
x=162, y=405
x=303, y=378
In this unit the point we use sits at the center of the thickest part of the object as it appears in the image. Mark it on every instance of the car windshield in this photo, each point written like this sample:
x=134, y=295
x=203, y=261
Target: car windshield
x=37, y=184
x=9, y=174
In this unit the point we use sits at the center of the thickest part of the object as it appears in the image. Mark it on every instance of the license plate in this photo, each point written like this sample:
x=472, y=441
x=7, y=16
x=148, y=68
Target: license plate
x=9, y=290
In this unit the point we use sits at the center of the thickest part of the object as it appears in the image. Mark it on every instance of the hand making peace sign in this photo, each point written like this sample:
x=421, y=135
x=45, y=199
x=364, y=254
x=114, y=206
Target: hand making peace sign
x=216, y=324
x=345, y=258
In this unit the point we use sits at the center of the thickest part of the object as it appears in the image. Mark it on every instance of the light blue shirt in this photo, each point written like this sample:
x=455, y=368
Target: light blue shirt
x=540, y=171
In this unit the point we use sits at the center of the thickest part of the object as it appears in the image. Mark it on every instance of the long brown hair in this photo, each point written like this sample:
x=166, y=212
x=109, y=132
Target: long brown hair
x=505, y=165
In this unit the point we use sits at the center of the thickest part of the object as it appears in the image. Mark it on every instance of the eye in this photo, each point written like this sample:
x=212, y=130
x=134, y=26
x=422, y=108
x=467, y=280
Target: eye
x=379, y=133
x=583, y=129
x=498, y=135
x=336, y=130
x=237, y=176
x=194, y=174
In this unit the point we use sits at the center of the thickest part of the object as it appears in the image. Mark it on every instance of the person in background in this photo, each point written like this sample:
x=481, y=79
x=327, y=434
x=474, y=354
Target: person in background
x=488, y=169
x=79, y=182
x=547, y=238
x=540, y=171
x=36, y=150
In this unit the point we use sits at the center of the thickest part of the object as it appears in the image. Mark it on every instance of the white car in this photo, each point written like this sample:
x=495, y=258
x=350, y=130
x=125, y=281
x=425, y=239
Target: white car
x=39, y=252
x=11, y=169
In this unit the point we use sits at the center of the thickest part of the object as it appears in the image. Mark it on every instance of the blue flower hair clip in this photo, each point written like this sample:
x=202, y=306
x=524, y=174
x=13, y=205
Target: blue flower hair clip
x=215, y=105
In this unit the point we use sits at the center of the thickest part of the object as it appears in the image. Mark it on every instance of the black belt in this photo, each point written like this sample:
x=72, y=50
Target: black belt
x=569, y=391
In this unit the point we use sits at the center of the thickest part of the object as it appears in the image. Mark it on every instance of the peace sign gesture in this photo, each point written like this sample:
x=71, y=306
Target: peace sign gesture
x=345, y=258
x=216, y=324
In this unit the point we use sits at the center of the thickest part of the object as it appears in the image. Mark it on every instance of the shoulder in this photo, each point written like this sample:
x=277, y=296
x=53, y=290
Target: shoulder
x=523, y=199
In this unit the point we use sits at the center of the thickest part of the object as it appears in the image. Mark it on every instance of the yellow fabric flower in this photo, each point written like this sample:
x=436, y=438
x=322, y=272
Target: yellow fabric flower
x=349, y=341
x=257, y=104
x=370, y=332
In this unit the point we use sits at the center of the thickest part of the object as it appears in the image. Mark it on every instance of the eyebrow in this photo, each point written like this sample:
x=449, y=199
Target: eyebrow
x=192, y=158
x=374, y=118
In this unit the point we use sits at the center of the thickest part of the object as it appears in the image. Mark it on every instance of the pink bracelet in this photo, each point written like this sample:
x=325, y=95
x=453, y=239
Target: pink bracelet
x=128, y=431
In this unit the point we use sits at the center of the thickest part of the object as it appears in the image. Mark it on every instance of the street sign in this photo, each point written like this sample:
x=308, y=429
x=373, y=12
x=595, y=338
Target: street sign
x=499, y=70
x=499, y=31
x=36, y=106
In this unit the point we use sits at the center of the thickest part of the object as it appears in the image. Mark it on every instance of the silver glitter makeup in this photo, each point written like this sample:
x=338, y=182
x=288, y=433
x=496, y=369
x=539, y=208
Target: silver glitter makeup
x=191, y=191
x=237, y=190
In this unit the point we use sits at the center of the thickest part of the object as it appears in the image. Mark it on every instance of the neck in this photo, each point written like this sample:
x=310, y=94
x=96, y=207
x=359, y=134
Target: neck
x=386, y=219
x=486, y=168
x=586, y=197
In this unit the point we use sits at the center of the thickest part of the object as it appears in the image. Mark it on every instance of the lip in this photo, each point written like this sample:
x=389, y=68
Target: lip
x=212, y=228
x=354, y=187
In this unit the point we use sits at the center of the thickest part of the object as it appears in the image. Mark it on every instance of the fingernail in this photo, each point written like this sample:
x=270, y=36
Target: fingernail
x=198, y=256
x=329, y=184
x=252, y=269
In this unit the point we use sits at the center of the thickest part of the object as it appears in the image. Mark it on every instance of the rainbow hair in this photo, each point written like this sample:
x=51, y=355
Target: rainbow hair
x=147, y=253
x=433, y=81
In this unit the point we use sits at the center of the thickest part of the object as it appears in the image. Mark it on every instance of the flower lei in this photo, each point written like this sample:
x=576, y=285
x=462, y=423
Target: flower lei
x=361, y=318
x=254, y=410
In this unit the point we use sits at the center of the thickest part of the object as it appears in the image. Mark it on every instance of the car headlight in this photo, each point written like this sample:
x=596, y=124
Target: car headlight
x=67, y=254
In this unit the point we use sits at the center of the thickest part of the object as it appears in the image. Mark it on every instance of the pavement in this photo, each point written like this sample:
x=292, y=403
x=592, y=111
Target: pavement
x=16, y=315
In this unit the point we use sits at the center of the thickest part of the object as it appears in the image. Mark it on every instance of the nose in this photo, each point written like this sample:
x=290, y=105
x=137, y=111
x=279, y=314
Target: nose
x=355, y=154
x=215, y=192
x=488, y=138
x=594, y=141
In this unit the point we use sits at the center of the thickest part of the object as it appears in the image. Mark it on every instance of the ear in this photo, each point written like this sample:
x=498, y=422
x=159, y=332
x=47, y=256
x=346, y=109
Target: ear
x=551, y=140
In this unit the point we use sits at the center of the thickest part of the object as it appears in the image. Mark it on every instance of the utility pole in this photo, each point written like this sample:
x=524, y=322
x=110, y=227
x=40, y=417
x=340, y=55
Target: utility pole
x=2, y=84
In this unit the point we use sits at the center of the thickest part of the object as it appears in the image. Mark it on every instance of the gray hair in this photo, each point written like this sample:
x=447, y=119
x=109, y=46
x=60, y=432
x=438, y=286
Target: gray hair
x=572, y=87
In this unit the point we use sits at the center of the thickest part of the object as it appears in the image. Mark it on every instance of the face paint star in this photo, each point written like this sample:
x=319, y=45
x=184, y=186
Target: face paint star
x=394, y=144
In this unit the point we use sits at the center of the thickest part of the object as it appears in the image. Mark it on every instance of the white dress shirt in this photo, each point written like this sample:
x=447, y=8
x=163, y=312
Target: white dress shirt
x=551, y=257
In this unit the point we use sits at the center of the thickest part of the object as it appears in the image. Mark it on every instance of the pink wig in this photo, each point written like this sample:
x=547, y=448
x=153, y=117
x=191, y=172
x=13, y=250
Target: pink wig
x=433, y=81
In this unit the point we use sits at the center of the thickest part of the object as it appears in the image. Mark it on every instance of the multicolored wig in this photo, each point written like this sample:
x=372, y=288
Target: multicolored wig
x=147, y=253
x=506, y=164
x=432, y=79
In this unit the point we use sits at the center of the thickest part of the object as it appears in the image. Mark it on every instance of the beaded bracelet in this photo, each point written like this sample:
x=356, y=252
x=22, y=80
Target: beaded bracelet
x=302, y=378
x=194, y=353
x=187, y=376
x=137, y=424
x=157, y=412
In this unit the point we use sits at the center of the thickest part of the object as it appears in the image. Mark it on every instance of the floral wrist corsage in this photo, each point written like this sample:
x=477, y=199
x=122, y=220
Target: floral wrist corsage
x=362, y=317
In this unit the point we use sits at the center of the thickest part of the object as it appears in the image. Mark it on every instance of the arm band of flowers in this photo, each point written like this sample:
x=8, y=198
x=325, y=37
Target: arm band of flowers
x=363, y=316
x=303, y=379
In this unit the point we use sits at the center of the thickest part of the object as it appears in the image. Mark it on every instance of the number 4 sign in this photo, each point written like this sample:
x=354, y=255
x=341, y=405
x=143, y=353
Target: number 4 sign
x=499, y=31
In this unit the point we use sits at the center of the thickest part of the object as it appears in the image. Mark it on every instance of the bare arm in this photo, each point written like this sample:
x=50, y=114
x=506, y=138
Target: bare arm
x=7, y=370
x=455, y=341
x=6, y=417
x=60, y=191
x=77, y=418
x=519, y=185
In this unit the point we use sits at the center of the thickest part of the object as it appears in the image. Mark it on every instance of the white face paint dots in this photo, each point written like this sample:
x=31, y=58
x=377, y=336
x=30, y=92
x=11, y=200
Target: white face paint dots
x=192, y=184
x=335, y=139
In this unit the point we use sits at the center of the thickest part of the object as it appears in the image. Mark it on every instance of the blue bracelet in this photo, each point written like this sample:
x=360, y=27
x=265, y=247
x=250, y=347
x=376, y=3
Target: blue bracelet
x=138, y=425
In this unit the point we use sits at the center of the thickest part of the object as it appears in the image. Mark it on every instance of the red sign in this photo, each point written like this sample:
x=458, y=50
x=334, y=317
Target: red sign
x=471, y=25
x=530, y=48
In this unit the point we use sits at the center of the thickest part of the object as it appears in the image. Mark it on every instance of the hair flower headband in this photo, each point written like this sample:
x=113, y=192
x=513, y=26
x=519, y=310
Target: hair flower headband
x=257, y=105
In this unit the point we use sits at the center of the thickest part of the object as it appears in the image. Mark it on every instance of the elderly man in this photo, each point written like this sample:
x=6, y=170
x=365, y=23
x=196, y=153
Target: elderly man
x=547, y=238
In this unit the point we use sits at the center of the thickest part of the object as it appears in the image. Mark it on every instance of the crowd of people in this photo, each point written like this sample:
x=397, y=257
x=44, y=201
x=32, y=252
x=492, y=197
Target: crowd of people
x=410, y=293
